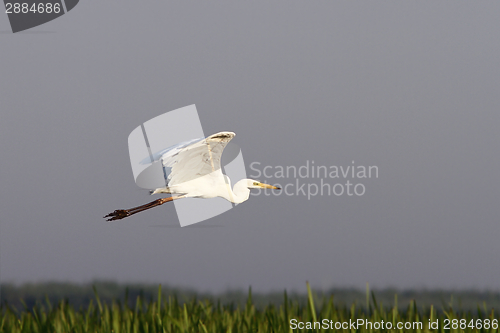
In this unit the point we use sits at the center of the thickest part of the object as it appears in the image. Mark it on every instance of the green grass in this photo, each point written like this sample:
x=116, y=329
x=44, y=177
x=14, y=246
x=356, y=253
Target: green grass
x=168, y=314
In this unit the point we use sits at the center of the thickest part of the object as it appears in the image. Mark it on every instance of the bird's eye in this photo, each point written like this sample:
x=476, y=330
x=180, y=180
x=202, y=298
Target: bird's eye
x=255, y=183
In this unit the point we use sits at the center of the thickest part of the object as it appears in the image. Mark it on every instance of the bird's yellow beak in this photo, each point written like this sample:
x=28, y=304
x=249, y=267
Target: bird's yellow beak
x=269, y=186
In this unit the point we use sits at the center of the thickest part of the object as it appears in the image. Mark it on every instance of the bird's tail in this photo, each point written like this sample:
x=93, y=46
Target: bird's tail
x=160, y=190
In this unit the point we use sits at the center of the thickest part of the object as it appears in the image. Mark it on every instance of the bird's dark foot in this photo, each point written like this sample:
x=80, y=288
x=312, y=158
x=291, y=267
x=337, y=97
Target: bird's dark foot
x=117, y=215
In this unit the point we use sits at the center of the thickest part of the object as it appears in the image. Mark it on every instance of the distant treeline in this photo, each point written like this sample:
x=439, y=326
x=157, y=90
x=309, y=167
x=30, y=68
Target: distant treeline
x=80, y=295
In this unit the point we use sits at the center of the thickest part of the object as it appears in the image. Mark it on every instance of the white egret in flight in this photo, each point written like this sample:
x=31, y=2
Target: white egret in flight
x=196, y=173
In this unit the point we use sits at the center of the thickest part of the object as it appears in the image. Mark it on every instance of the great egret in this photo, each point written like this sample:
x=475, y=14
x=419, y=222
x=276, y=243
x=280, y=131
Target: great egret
x=196, y=173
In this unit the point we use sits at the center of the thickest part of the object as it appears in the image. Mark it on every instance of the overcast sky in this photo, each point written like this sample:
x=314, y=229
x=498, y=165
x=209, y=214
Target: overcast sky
x=409, y=87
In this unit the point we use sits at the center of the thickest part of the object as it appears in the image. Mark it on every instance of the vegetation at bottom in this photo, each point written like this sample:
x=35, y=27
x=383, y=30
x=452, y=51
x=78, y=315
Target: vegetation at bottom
x=169, y=314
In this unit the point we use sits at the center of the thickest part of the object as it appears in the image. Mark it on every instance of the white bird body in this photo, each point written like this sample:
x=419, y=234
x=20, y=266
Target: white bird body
x=212, y=188
x=192, y=169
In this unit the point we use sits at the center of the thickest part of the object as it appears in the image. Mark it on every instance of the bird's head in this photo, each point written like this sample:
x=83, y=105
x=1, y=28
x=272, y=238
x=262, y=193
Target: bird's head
x=256, y=184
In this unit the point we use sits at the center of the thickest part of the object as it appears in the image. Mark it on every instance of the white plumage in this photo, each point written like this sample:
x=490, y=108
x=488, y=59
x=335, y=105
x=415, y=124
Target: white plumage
x=193, y=169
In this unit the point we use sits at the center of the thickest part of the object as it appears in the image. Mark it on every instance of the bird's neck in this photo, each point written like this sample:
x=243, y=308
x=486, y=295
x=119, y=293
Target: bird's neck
x=239, y=193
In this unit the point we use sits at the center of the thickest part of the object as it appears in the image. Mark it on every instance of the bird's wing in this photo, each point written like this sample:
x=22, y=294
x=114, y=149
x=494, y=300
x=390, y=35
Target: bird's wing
x=192, y=159
x=172, y=150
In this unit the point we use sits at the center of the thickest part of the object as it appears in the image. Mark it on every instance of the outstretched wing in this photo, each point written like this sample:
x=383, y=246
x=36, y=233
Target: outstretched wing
x=192, y=159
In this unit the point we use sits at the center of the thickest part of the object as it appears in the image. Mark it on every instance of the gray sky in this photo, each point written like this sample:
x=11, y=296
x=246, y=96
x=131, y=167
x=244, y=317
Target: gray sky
x=411, y=87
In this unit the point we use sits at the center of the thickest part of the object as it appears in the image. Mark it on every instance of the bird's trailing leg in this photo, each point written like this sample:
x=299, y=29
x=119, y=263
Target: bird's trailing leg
x=123, y=213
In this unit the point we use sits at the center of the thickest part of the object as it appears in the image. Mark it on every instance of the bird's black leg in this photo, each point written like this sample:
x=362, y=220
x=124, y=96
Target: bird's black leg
x=123, y=213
